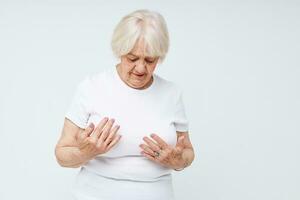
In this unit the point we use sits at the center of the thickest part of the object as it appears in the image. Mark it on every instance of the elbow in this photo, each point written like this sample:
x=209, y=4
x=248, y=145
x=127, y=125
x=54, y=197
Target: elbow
x=57, y=154
x=68, y=166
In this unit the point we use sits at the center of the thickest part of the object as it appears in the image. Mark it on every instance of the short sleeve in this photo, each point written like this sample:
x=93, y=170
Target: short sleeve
x=78, y=110
x=180, y=119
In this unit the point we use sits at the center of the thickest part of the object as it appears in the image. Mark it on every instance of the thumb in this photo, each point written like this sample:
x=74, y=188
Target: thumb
x=88, y=131
x=180, y=142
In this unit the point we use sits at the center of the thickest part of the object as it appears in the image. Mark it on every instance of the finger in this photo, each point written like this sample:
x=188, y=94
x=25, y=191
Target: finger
x=147, y=149
x=178, y=150
x=160, y=141
x=113, y=142
x=111, y=134
x=180, y=141
x=149, y=156
x=180, y=144
x=99, y=128
x=87, y=132
x=106, y=130
x=154, y=146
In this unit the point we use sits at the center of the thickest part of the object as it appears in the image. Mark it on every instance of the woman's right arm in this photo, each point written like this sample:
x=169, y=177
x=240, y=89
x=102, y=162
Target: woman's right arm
x=66, y=151
x=76, y=146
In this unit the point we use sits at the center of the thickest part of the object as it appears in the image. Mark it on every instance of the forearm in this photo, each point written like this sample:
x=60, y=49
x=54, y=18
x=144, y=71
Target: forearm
x=69, y=157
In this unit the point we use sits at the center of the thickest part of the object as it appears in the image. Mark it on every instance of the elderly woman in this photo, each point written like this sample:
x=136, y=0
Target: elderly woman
x=126, y=126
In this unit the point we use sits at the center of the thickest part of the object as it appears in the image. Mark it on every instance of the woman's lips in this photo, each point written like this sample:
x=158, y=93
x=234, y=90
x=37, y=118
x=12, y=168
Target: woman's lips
x=138, y=75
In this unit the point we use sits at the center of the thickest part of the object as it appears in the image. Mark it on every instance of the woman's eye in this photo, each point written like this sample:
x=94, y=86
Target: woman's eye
x=135, y=59
x=132, y=59
x=150, y=61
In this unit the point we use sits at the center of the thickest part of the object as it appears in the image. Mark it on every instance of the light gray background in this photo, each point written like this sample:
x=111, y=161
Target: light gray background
x=237, y=62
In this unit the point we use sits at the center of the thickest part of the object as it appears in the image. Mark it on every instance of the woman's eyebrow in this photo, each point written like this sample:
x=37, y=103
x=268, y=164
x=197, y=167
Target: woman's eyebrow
x=151, y=58
x=132, y=54
x=148, y=57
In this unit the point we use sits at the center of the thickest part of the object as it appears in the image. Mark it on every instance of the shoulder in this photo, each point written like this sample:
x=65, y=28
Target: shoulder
x=167, y=85
x=93, y=81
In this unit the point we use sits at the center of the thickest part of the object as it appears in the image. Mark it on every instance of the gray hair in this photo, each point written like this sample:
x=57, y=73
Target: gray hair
x=141, y=24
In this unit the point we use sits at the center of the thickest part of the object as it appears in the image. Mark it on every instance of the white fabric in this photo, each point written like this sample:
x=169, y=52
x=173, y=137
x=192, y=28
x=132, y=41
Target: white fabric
x=157, y=109
x=91, y=186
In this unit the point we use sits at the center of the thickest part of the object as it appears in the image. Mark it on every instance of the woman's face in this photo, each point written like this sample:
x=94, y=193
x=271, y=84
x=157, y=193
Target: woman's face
x=135, y=69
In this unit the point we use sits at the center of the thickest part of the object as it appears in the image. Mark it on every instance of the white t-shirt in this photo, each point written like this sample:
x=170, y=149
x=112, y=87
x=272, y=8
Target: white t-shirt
x=157, y=109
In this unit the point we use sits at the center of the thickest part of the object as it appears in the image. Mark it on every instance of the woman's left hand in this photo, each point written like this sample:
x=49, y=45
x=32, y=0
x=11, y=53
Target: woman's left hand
x=160, y=152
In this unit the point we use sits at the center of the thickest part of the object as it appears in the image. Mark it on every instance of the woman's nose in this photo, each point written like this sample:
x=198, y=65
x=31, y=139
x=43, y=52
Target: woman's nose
x=141, y=67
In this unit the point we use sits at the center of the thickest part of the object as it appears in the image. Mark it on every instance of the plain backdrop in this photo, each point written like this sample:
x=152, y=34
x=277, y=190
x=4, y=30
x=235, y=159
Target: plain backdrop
x=236, y=61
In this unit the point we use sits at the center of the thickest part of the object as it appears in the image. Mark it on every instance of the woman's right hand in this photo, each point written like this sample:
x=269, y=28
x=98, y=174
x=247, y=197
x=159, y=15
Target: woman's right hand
x=95, y=141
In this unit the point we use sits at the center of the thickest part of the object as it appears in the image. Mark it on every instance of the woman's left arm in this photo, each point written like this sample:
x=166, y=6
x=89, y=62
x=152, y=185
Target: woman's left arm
x=177, y=158
x=188, y=150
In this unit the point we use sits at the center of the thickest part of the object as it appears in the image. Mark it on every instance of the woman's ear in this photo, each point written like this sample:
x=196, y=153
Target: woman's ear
x=159, y=61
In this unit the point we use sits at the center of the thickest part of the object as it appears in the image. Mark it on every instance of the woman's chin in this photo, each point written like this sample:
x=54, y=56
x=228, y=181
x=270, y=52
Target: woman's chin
x=137, y=84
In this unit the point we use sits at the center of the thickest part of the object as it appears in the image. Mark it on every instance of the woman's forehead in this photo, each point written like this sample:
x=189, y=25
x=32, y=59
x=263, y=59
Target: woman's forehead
x=139, y=55
x=141, y=49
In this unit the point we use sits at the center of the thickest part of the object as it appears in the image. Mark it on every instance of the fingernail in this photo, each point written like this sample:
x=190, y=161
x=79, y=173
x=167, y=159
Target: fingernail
x=91, y=125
